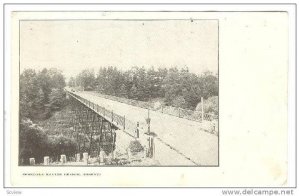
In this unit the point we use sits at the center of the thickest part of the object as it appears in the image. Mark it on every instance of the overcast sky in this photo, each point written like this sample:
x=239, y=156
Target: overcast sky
x=72, y=46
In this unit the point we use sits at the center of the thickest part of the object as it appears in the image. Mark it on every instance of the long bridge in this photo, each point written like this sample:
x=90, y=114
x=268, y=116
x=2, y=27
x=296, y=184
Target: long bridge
x=169, y=140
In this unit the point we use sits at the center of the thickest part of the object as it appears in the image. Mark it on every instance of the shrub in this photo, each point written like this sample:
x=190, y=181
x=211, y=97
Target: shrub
x=179, y=102
x=135, y=146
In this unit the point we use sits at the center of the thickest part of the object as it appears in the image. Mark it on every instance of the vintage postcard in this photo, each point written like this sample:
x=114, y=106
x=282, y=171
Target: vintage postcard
x=133, y=98
x=118, y=92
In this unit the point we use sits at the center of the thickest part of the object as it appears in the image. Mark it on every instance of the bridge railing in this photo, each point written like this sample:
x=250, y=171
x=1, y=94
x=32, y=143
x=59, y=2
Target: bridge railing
x=118, y=120
x=129, y=126
x=169, y=110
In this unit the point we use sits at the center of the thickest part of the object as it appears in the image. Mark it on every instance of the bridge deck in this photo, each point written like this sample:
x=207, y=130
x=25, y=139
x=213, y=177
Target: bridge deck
x=179, y=141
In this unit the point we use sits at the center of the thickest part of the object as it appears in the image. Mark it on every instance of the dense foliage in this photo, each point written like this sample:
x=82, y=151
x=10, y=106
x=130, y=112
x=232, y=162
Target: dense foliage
x=41, y=93
x=178, y=88
x=35, y=142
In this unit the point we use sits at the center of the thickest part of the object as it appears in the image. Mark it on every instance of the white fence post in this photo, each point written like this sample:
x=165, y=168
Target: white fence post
x=31, y=161
x=129, y=155
x=78, y=157
x=63, y=159
x=85, y=157
x=46, y=160
x=101, y=156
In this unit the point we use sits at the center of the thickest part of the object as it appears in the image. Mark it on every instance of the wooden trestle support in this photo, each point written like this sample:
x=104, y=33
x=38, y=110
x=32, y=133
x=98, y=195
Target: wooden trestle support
x=92, y=132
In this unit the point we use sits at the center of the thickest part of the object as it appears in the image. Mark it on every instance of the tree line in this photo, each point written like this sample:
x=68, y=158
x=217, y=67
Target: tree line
x=41, y=94
x=175, y=87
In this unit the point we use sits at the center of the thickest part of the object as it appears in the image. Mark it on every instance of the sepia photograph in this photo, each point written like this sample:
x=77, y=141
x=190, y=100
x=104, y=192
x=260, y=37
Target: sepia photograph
x=118, y=92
